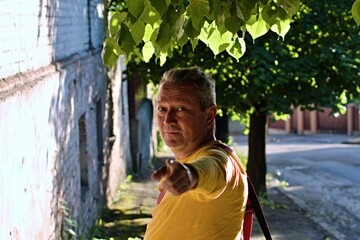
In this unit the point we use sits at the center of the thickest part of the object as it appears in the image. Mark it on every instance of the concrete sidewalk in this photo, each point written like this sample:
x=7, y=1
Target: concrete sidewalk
x=286, y=216
x=322, y=178
x=128, y=217
x=287, y=220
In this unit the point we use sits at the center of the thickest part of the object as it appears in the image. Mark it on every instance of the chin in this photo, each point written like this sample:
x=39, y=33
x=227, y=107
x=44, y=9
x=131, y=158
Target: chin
x=173, y=144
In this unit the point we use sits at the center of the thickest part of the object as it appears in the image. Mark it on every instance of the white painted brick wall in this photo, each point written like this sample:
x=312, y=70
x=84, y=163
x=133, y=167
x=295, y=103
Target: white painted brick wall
x=27, y=163
x=19, y=35
x=48, y=79
x=32, y=36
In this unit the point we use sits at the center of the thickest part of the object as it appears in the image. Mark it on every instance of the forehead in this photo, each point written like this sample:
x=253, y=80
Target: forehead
x=182, y=93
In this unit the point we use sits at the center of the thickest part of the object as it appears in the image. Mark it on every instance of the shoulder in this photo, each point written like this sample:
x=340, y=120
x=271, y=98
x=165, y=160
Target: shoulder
x=219, y=146
x=215, y=149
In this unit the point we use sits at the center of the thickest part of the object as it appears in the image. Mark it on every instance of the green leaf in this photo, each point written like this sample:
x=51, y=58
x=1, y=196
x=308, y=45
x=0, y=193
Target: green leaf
x=219, y=42
x=135, y=7
x=125, y=40
x=270, y=13
x=290, y=6
x=115, y=21
x=190, y=30
x=281, y=27
x=237, y=48
x=159, y=5
x=257, y=27
x=169, y=27
x=149, y=30
x=162, y=58
x=194, y=42
x=111, y=52
x=233, y=24
x=148, y=51
x=197, y=10
x=243, y=9
x=137, y=31
x=214, y=9
x=177, y=28
x=153, y=35
x=205, y=32
x=355, y=11
x=150, y=15
x=171, y=16
x=220, y=18
x=183, y=40
x=163, y=38
x=277, y=18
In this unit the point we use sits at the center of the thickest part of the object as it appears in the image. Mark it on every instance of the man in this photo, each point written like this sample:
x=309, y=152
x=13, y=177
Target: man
x=204, y=189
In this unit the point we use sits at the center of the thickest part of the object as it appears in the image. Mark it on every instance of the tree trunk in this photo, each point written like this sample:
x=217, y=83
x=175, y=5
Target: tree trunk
x=222, y=127
x=256, y=166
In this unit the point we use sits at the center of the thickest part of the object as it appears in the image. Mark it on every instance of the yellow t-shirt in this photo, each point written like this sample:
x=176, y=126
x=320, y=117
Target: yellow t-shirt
x=213, y=210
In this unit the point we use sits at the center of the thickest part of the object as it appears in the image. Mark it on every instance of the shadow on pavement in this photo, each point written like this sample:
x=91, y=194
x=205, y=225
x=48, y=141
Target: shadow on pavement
x=118, y=224
x=128, y=216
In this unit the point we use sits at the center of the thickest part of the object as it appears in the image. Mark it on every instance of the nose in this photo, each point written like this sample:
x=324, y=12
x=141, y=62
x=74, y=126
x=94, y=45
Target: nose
x=170, y=117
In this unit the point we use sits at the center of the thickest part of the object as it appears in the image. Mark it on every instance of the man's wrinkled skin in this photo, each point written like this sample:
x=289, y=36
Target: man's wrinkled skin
x=184, y=127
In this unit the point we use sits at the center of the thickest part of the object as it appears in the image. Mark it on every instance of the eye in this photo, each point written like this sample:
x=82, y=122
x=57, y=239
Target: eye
x=161, y=109
x=180, y=109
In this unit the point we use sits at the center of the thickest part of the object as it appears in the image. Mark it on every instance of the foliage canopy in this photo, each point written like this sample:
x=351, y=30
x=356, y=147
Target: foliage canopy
x=317, y=65
x=156, y=27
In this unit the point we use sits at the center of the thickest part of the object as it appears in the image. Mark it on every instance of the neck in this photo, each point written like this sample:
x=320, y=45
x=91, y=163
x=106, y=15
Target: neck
x=181, y=154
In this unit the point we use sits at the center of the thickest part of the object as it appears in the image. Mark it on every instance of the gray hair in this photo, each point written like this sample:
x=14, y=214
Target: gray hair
x=195, y=76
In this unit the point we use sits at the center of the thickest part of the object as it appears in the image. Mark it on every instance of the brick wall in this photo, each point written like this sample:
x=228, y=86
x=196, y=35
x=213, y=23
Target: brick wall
x=51, y=76
x=52, y=29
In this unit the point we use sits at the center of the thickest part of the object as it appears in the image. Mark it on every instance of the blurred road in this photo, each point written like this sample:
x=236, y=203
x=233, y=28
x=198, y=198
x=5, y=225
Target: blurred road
x=322, y=173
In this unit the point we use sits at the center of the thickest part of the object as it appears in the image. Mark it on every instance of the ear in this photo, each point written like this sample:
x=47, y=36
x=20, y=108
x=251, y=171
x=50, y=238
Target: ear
x=211, y=114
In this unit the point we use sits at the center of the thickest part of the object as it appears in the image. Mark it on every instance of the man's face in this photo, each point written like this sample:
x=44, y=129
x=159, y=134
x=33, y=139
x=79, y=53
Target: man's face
x=183, y=126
